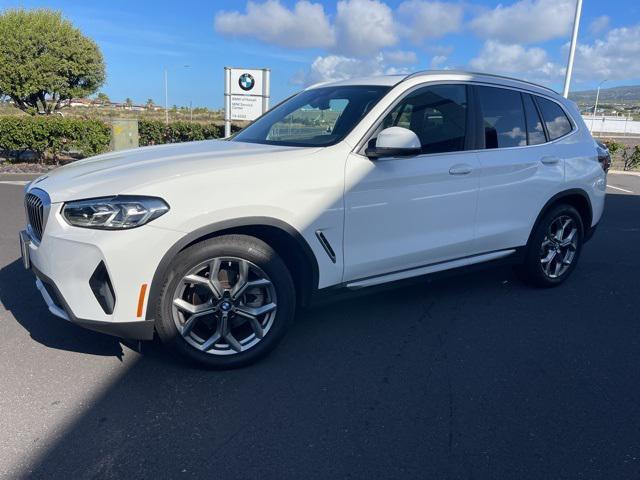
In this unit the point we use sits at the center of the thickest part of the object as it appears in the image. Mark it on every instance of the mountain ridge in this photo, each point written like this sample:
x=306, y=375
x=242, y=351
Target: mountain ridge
x=623, y=94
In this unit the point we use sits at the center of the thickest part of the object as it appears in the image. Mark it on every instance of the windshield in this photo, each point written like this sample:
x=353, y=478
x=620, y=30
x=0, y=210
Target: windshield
x=313, y=118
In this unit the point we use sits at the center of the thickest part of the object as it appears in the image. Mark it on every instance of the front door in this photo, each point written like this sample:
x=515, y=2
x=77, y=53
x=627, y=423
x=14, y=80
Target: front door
x=405, y=213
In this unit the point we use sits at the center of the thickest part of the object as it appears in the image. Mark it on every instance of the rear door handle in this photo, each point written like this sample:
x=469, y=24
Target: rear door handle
x=460, y=169
x=550, y=160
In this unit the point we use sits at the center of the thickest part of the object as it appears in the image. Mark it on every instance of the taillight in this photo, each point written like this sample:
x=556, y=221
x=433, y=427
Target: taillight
x=604, y=157
x=605, y=160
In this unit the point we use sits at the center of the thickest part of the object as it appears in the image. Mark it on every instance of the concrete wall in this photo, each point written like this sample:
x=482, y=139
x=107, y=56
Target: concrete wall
x=620, y=125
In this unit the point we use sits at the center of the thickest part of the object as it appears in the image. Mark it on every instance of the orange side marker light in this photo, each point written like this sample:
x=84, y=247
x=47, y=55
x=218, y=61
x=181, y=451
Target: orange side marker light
x=143, y=292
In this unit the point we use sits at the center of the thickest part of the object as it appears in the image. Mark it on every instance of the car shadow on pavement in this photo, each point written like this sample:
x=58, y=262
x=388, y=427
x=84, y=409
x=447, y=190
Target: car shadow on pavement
x=20, y=296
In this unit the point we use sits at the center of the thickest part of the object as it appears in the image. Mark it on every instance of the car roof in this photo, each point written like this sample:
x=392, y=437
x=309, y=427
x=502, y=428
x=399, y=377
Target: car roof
x=380, y=80
x=454, y=75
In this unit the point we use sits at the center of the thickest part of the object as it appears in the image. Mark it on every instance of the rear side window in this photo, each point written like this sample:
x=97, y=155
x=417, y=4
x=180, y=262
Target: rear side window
x=438, y=116
x=502, y=117
x=535, y=130
x=554, y=118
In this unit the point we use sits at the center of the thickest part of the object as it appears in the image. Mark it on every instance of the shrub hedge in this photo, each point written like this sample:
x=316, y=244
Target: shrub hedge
x=50, y=137
x=53, y=136
x=155, y=132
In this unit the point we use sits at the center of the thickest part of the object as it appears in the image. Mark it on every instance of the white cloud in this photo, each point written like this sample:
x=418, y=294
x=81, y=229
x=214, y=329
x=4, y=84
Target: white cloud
x=401, y=57
x=614, y=58
x=397, y=71
x=513, y=59
x=360, y=28
x=305, y=26
x=599, y=24
x=338, y=67
x=363, y=27
x=438, y=61
x=526, y=21
x=424, y=19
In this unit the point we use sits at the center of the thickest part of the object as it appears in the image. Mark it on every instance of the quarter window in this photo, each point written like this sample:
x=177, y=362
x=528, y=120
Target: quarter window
x=535, y=130
x=502, y=117
x=554, y=117
x=438, y=116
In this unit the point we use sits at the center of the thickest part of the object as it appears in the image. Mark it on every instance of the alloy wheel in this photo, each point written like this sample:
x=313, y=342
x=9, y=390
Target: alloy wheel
x=559, y=247
x=224, y=306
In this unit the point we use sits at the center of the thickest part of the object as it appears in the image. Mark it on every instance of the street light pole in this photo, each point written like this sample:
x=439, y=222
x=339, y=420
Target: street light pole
x=572, y=50
x=166, y=94
x=595, y=107
x=166, y=98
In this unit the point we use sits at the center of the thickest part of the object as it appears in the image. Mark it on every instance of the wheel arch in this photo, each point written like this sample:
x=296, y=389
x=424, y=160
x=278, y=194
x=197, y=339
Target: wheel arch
x=282, y=237
x=577, y=198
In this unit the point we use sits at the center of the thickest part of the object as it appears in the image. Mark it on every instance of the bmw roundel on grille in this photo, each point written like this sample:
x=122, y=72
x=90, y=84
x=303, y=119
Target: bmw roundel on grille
x=246, y=81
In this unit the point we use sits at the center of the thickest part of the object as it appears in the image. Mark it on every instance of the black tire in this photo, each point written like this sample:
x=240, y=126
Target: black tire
x=532, y=271
x=239, y=246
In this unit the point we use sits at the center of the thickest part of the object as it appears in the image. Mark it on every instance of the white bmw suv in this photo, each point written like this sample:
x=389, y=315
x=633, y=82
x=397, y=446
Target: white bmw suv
x=211, y=245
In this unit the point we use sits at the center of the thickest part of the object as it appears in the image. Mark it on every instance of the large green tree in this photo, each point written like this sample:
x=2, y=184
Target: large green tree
x=45, y=60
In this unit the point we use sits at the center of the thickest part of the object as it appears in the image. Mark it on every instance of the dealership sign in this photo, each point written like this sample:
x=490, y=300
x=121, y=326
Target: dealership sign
x=246, y=94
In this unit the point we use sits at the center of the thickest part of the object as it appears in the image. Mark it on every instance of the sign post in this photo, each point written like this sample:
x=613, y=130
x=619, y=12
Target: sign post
x=246, y=94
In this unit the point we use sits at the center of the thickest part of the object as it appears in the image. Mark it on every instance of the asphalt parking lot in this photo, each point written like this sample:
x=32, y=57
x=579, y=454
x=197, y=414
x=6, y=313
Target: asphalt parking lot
x=470, y=377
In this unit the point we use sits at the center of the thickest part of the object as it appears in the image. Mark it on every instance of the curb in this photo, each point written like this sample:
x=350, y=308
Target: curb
x=621, y=172
x=19, y=176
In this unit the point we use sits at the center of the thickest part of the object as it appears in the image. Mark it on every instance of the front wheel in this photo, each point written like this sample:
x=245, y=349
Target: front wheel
x=226, y=301
x=554, y=248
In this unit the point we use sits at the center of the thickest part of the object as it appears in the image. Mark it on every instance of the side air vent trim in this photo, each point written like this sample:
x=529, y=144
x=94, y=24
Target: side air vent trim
x=326, y=245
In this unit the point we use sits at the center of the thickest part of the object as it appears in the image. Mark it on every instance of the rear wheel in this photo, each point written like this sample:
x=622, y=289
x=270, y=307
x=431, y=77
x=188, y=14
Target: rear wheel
x=226, y=301
x=555, y=247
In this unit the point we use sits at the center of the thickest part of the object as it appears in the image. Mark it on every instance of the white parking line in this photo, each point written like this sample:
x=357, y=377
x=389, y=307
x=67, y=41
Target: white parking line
x=621, y=189
x=14, y=182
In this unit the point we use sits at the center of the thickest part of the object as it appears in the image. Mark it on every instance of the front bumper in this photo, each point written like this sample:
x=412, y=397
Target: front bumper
x=136, y=330
x=65, y=262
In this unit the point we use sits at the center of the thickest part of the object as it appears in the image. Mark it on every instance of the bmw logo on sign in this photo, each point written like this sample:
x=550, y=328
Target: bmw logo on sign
x=246, y=81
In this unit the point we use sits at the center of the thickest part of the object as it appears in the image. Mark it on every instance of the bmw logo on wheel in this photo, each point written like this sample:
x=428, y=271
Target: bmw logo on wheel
x=246, y=81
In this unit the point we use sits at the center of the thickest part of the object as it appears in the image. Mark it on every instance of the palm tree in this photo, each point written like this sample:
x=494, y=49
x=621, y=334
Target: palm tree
x=149, y=103
x=128, y=102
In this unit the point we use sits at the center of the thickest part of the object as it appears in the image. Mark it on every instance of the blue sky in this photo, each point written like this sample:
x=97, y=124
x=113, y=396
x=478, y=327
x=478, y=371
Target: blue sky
x=311, y=40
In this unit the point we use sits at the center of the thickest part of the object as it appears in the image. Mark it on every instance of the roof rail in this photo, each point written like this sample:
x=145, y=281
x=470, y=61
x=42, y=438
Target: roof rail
x=431, y=72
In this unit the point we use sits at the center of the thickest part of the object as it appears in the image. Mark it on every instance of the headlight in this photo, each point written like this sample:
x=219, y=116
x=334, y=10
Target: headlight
x=114, y=213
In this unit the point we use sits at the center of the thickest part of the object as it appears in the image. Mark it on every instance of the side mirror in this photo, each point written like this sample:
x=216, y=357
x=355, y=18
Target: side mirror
x=394, y=142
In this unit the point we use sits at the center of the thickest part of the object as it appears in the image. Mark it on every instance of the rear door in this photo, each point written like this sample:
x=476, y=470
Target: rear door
x=520, y=169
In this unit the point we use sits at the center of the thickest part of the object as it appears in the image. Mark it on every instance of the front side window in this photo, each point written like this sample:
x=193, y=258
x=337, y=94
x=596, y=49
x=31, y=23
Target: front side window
x=554, y=118
x=313, y=118
x=438, y=116
x=502, y=117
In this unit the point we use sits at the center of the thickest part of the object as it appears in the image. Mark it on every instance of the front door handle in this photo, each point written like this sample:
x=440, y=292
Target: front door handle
x=550, y=160
x=460, y=169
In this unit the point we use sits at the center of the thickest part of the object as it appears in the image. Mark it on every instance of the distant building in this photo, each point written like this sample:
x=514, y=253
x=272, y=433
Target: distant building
x=82, y=102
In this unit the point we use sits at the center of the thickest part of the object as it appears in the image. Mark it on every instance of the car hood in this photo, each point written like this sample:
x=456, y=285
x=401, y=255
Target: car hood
x=126, y=171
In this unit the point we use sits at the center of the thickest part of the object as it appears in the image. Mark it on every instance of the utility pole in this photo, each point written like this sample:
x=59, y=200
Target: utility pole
x=595, y=107
x=572, y=50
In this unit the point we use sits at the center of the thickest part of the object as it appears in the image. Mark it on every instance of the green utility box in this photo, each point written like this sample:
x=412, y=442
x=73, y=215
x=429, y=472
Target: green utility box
x=124, y=134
